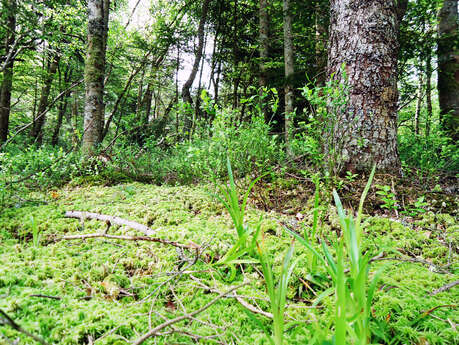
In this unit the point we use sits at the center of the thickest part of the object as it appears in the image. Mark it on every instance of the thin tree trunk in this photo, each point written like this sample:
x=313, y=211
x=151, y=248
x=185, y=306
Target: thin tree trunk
x=37, y=130
x=94, y=76
x=138, y=106
x=186, y=94
x=364, y=37
x=428, y=92
x=289, y=71
x=419, y=100
x=264, y=42
x=62, y=106
x=7, y=82
x=448, y=68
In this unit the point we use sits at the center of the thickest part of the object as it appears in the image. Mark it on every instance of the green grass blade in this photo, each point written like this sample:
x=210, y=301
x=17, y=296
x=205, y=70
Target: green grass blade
x=362, y=200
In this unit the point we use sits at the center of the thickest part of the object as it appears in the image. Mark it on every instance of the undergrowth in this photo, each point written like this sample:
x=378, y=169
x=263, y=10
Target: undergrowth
x=101, y=283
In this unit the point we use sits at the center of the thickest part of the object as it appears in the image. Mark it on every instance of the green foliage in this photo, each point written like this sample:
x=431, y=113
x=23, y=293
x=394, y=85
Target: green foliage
x=327, y=102
x=432, y=154
x=353, y=297
x=277, y=294
x=387, y=197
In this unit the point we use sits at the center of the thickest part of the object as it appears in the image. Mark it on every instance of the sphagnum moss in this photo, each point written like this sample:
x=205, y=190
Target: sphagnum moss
x=75, y=270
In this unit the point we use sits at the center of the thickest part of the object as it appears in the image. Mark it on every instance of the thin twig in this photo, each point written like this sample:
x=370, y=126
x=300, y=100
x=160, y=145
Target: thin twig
x=5, y=319
x=170, y=322
x=129, y=238
x=444, y=288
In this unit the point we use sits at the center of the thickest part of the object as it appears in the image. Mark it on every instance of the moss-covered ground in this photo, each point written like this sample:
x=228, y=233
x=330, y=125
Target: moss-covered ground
x=111, y=291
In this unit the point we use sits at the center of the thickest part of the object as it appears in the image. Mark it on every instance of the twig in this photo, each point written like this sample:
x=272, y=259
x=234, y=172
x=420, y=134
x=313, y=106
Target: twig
x=168, y=323
x=46, y=296
x=252, y=308
x=5, y=319
x=130, y=238
x=444, y=288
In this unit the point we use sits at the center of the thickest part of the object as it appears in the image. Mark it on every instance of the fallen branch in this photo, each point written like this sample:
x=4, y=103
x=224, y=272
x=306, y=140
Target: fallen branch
x=46, y=296
x=252, y=308
x=5, y=319
x=110, y=220
x=130, y=238
x=168, y=323
x=444, y=288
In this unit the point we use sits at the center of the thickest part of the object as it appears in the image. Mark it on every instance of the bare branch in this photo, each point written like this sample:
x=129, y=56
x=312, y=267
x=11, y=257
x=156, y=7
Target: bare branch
x=168, y=323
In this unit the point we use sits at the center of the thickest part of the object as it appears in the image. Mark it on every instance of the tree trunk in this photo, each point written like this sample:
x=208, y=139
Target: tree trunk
x=186, y=94
x=448, y=68
x=264, y=42
x=94, y=76
x=7, y=82
x=321, y=43
x=363, y=37
x=289, y=71
x=419, y=100
x=37, y=130
x=428, y=92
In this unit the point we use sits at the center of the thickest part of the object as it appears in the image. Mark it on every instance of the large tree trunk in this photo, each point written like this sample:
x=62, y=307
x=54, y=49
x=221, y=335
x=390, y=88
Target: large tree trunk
x=363, y=36
x=186, y=94
x=321, y=37
x=7, y=82
x=37, y=130
x=289, y=71
x=94, y=75
x=448, y=67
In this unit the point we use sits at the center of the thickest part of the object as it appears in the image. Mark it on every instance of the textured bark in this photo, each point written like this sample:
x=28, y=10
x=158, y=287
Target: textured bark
x=186, y=94
x=289, y=71
x=264, y=42
x=94, y=75
x=321, y=43
x=448, y=67
x=7, y=82
x=363, y=36
x=37, y=130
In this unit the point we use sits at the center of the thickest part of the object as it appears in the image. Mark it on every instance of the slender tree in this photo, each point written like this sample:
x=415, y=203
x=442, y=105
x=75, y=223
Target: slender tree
x=448, y=67
x=51, y=68
x=289, y=71
x=186, y=94
x=94, y=74
x=364, y=37
x=264, y=42
x=9, y=8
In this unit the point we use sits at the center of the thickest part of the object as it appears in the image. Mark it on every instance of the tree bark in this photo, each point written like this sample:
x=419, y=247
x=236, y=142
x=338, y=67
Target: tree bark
x=289, y=71
x=7, y=82
x=321, y=43
x=186, y=94
x=364, y=37
x=37, y=130
x=419, y=100
x=428, y=92
x=94, y=75
x=264, y=42
x=448, y=67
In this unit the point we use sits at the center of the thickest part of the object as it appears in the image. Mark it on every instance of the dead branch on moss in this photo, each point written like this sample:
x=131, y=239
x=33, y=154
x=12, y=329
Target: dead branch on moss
x=130, y=238
x=6, y=320
x=157, y=329
x=57, y=298
x=444, y=288
x=110, y=220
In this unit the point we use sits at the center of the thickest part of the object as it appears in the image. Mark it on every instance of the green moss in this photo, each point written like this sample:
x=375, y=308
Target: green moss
x=102, y=268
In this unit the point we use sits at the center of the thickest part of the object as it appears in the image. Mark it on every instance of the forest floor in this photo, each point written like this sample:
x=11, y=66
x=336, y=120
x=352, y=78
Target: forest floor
x=108, y=291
